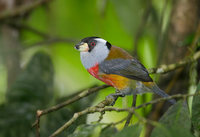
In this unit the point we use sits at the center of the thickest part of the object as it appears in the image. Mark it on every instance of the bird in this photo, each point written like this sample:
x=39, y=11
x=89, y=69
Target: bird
x=117, y=68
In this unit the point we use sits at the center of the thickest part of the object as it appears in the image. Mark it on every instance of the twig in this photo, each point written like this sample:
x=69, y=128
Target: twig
x=168, y=68
x=113, y=123
x=98, y=108
x=102, y=109
x=73, y=99
x=118, y=122
x=49, y=39
x=38, y=123
x=21, y=9
x=101, y=116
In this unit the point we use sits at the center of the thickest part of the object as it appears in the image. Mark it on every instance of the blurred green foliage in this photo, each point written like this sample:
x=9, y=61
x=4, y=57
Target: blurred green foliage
x=55, y=72
x=32, y=90
x=196, y=113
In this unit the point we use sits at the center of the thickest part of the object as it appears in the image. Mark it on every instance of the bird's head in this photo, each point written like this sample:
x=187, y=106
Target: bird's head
x=93, y=50
x=90, y=44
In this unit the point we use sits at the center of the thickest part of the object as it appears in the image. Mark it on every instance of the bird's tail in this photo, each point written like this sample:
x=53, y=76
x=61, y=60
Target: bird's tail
x=160, y=92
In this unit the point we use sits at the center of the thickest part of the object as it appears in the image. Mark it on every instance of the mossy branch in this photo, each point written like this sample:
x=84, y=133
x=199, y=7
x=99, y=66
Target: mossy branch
x=171, y=67
x=101, y=108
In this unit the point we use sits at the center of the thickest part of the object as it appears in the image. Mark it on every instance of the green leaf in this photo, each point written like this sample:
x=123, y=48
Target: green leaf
x=131, y=131
x=175, y=122
x=196, y=112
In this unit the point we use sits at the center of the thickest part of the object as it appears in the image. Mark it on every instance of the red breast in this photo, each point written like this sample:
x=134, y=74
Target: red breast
x=113, y=80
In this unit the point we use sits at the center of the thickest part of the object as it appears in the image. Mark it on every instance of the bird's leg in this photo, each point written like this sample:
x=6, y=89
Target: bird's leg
x=120, y=94
x=114, y=96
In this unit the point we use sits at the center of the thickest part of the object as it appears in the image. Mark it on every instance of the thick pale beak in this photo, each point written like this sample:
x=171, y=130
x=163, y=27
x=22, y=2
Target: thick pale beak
x=83, y=47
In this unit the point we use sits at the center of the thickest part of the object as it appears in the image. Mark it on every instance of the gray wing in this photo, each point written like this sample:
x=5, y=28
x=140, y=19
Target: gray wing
x=130, y=68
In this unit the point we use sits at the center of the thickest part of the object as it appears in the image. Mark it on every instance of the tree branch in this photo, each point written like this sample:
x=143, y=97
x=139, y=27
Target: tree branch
x=38, y=124
x=168, y=68
x=21, y=9
x=73, y=99
x=102, y=109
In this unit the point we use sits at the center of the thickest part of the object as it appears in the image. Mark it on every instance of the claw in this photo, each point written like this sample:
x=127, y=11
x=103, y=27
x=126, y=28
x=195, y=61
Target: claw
x=114, y=97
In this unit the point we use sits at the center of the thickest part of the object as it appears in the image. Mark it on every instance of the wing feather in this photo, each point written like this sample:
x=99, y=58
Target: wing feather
x=130, y=68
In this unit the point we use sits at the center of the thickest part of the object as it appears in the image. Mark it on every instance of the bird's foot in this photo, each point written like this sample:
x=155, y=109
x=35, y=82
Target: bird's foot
x=119, y=93
x=113, y=97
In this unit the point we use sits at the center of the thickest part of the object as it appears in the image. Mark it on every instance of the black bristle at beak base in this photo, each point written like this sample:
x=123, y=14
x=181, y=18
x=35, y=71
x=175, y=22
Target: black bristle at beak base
x=76, y=47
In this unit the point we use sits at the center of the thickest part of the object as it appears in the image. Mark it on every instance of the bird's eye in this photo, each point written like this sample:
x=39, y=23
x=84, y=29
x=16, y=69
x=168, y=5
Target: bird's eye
x=92, y=43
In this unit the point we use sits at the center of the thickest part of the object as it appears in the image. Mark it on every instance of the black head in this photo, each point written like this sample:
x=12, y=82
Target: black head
x=92, y=42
